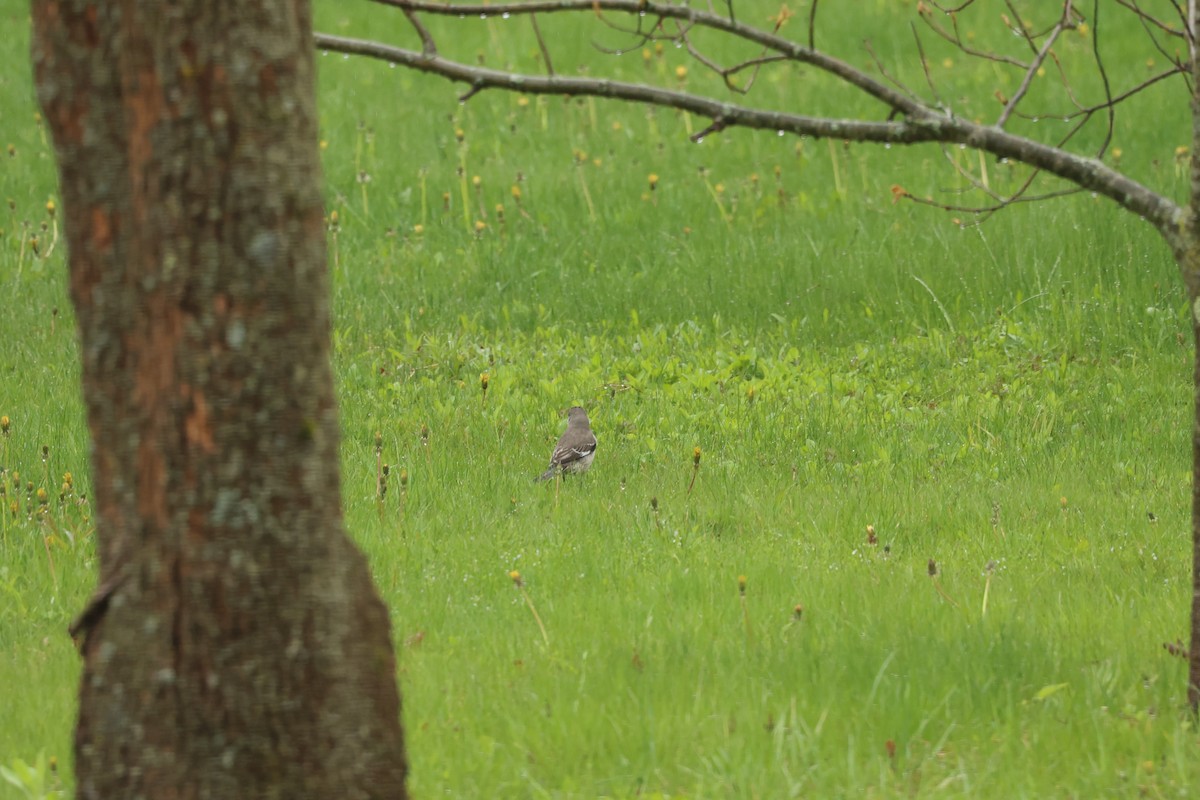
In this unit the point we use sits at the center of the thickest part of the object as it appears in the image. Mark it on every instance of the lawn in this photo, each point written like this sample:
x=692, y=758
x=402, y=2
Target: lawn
x=884, y=504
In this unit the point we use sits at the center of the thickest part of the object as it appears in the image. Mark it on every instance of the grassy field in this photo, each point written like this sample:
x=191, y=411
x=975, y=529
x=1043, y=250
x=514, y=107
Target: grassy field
x=1006, y=403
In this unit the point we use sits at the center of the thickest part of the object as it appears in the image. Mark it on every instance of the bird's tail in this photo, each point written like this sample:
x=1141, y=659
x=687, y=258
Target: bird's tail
x=547, y=475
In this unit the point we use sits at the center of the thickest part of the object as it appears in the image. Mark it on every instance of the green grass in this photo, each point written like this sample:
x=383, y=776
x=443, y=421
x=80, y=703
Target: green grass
x=1011, y=401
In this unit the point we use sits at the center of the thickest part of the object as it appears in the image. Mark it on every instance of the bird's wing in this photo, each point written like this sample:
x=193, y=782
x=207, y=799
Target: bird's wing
x=565, y=454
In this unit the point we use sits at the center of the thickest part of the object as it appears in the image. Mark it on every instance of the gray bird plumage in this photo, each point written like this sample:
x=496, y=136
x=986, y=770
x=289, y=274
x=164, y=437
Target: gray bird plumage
x=575, y=449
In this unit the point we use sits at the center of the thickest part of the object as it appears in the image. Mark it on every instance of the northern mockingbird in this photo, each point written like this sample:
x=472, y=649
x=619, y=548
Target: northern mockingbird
x=575, y=449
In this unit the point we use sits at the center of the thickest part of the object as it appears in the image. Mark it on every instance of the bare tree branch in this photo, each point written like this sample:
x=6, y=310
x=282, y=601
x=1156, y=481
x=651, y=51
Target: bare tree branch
x=925, y=69
x=1108, y=96
x=1018, y=26
x=1036, y=64
x=1172, y=58
x=956, y=38
x=480, y=78
x=428, y=47
x=1189, y=27
x=909, y=120
x=542, y=44
x=796, y=52
x=1116, y=100
x=954, y=10
x=1070, y=18
x=981, y=213
x=1149, y=19
x=727, y=73
x=883, y=70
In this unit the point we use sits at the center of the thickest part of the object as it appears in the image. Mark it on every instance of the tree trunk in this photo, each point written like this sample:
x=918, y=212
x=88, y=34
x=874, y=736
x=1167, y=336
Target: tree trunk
x=1189, y=262
x=1193, y=693
x=235, y=646
x=1187, y=254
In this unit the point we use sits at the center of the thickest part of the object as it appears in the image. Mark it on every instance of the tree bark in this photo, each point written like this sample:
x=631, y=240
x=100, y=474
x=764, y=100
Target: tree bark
x=235, y=646
x=1187, y=254
x=1193, y=690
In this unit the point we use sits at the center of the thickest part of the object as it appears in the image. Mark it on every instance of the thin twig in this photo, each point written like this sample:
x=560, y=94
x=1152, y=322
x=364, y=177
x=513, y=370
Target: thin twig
x=428, y=47
x=957, y=40
x=1108, y=97
x=663, y=11
x=1150, y=19
x=1171, y=57
x=954, y=10
x=542, y=44
x=717, y=126
x=1019, y=28
x=1035, y=65
x=883, y=70
x=1114, y=101
x=987, y=211
x=937, y=99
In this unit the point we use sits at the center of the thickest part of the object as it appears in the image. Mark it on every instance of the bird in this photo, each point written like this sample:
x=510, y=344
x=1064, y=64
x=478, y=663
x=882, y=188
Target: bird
x=576, y=447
